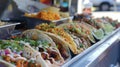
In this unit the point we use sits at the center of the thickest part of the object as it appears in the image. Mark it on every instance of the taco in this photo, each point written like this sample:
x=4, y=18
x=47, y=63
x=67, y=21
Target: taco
x=38, y=58
x=61, y=45
x=105, y=25
x=114, y=23
x=85, y=30
x=98, y=33
x=55, y=49
x=21, y=54
x=78, y=30
x=60, y=33
x=29, y=52
x=13, y=52
x=79, y=40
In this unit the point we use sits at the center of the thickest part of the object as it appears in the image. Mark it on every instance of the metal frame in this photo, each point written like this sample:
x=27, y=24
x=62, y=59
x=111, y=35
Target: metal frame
x=7, y=25
x=91, y=56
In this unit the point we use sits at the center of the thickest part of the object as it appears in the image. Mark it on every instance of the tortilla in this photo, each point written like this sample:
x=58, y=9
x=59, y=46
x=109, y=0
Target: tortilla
x=61, y=40
x=29, y=52
x=61, y=45
x=37, y=35
x=61, y=34
x=56, y=47
x=75, y=30
x=46, y=44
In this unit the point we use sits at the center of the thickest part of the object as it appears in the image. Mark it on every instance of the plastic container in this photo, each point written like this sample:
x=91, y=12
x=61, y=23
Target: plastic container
x=6, y=30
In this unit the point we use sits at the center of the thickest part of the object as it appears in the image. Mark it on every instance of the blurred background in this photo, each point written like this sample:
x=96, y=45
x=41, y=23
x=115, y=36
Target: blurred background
x=106, y=5
x=68, y=5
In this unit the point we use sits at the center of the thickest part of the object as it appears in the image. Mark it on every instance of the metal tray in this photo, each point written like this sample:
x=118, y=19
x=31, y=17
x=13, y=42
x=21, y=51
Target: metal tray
x=6, y=30
x=91, y=56
x=32, y=22
x=29, y=22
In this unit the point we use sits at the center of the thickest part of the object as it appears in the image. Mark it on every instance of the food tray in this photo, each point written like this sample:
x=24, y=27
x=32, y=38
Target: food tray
x=63, y=20
x=32, y=22
x=6, y=30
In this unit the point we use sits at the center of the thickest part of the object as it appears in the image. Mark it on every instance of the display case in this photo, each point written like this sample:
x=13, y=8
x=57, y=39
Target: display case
x=105, y=53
